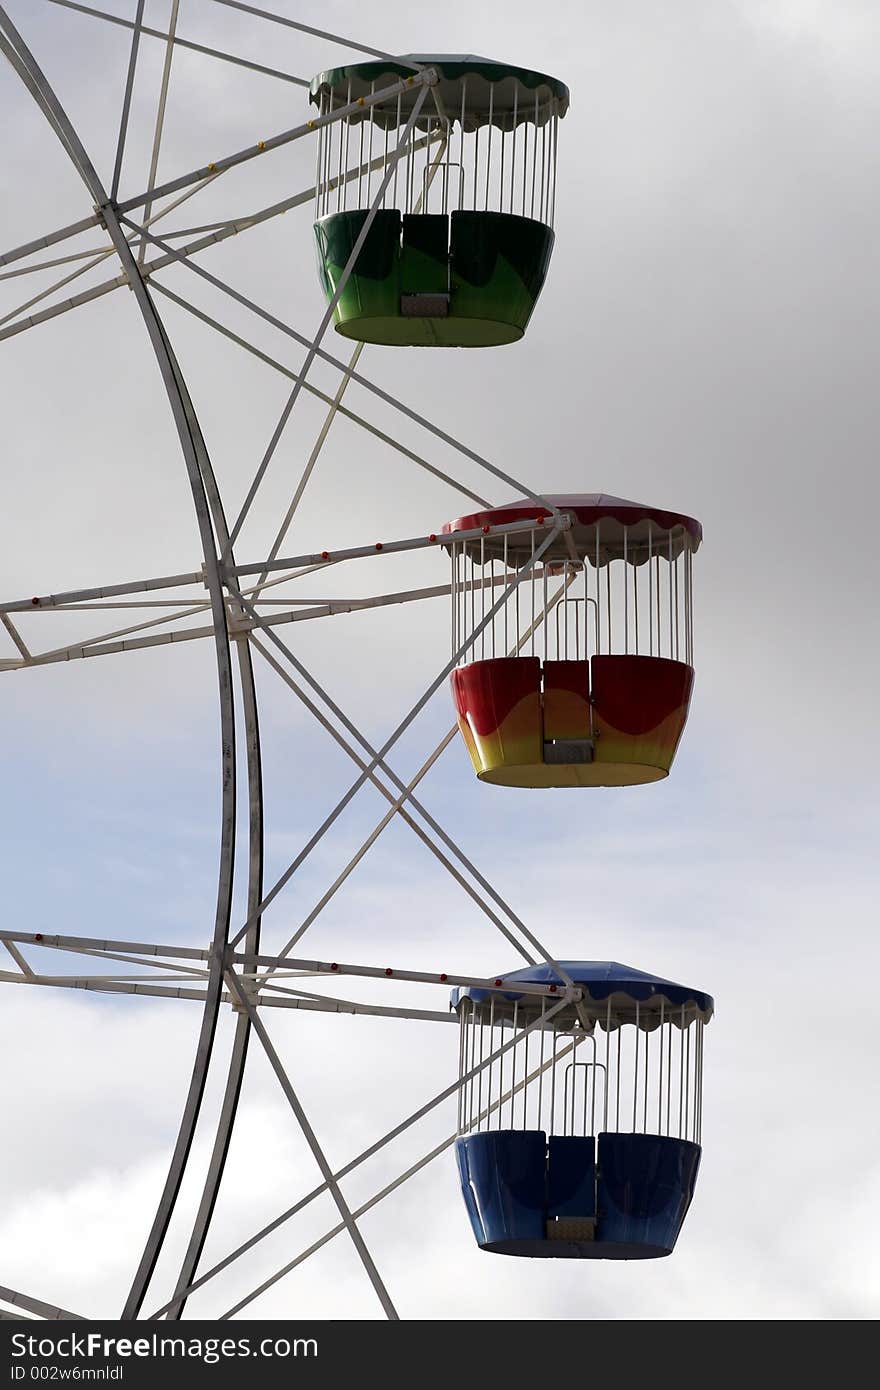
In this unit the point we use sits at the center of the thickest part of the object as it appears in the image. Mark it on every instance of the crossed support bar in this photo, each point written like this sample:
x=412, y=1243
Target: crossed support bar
x=251, y=979
x=242, y=990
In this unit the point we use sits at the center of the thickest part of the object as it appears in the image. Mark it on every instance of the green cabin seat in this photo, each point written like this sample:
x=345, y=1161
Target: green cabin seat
x=427, y=279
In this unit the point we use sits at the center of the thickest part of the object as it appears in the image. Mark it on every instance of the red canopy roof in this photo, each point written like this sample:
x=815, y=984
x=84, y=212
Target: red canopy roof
x=602, y=526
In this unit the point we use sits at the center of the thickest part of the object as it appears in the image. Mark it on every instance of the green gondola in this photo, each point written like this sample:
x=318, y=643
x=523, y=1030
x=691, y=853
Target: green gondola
x=457, y=249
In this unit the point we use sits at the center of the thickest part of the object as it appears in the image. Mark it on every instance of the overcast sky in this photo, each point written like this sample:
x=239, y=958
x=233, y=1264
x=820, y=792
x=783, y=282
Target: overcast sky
x=707, y=341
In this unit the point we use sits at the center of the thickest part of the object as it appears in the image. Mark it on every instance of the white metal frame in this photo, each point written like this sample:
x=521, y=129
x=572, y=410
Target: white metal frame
x=237, y=615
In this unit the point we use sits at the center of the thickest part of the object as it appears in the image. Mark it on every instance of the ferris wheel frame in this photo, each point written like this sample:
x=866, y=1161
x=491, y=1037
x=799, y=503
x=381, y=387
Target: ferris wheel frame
x=232, y=971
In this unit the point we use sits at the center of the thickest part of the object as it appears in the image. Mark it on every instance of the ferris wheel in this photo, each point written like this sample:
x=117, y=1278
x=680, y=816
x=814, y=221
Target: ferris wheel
x=575, y=1099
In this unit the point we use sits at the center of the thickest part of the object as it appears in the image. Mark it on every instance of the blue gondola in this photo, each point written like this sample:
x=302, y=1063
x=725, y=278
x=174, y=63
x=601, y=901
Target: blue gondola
x=581, y=1138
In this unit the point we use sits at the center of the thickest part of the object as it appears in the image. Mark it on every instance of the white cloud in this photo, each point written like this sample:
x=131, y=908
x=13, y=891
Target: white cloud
x=705, y=339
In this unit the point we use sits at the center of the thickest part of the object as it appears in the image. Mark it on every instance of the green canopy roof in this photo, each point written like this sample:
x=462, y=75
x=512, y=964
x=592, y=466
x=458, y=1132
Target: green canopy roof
x=511, y=95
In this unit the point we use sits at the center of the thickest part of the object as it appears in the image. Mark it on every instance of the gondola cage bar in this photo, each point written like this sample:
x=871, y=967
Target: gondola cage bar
x=584, y=676
x=462, y=239
x=583, y=1139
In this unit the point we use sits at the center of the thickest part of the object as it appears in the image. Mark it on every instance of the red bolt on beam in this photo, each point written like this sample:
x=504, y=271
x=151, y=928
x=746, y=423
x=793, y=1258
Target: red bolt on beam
x=432, y=538
x=443, y=979
x=499, y=982
x=325, y=554
x=378, y=545
x=389, y=972
x=552, y=989
x=35, y=602
x=486, y=530
x=334, y=966
x=38, y=936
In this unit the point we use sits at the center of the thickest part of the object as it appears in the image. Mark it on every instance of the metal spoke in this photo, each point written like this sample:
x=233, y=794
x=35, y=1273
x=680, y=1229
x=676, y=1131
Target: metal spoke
x=36, y=1305
x=374, y=1148
x=393, y=1186
x=183, y=43
x=236, y=974
x=397, y=804
x=401, y=728
x=311, y=1139
x=277, y=142
x=179, y=255
x=322, y=396
x=327, y=316
x=316, y=33
x=50, y=239
x=160, y=119
x=126, y=100
x=389, y=796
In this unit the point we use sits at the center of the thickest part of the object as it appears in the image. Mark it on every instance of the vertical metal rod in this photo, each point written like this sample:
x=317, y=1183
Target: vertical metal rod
x=608, y=600
x=669, y=1069
x=636, y=1070
x=650, y=595
x=607, y=1062
x=541, y=1060
x=660, y=1081
x=319, y=166
x=340, y=164
x=507, y=605
x=472, y=1063
x=501, y=1063
x=532, y=587
x=454, y=595
x=461, y=1067
x=671, y=648
x=328, y=158
x=482, y=595
x=513, y=1060
x=476, y=163
x=491, y=1053
x=525, y=164
x=593, y=1105
x=513, y=146
x=480, y=1072
x=617, y=1121
x=397, y=161
x=489, y=142
x=687, y=1079
x=555, y=151
x=525, y=1087
x=635, y=570
x=677, y=558
x=625, y=593
x=598, y=593
x=461, y=179
x=534, y=155
x=473, y=610
x=681, y=1076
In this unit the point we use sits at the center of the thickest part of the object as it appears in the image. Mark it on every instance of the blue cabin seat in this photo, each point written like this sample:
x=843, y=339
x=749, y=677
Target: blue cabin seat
x=644, y=1189
x=552, y=1200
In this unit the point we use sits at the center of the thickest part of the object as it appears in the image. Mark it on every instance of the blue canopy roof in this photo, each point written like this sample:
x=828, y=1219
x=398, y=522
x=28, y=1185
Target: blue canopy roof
x=600, y=979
